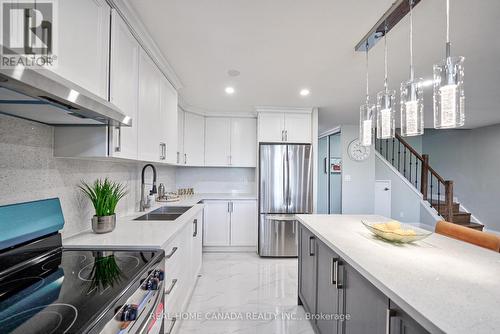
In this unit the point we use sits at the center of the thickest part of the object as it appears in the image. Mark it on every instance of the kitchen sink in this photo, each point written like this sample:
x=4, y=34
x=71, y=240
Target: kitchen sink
x=159, y=216
x=166, y=213
x=172, y=209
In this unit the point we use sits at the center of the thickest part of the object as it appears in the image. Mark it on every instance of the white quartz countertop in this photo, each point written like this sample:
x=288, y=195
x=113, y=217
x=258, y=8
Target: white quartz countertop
x=446, y=285
x=133, y=234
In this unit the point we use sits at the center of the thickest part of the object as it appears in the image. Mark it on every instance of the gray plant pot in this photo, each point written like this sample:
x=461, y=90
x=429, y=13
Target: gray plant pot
x=103, y=224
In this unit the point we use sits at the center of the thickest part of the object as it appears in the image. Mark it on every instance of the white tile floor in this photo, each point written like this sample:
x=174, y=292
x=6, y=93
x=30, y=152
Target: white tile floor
x=260, y=295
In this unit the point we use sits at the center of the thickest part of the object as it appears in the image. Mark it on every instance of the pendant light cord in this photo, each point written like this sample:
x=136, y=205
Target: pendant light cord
x=367, y=81
x=412, y=75
x=385, y=58
x=448, y=44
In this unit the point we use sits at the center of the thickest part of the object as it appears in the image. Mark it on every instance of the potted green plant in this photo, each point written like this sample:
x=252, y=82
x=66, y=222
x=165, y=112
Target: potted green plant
x=104, y=195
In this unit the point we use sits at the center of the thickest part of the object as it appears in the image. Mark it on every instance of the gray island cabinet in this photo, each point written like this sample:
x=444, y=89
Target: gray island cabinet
x=340, y=299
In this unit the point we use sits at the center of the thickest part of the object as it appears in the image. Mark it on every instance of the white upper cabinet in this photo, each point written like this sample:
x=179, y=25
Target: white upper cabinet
x=180, y=137
x=168, y=122
x=285, y=127
x=230, y=142
x=194, y=139
x=271, y=127
x=124, y=86
x=149, y=123
x=298, y=127
x=217, y=141
x=244, y=142
x=83, y=44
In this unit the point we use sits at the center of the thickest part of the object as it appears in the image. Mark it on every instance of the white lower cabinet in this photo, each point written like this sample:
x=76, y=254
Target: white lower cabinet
x=183, y=259
x=230, y=223
x=216, y=223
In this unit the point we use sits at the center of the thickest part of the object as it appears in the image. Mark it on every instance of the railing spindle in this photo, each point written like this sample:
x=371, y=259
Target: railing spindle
x=410, y=168
x=404, y=162
x=416, y=172
x=392, y=153
x=432, y=204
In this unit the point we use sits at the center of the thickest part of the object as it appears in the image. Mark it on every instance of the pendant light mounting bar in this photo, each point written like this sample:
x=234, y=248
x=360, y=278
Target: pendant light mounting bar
x=389, y=20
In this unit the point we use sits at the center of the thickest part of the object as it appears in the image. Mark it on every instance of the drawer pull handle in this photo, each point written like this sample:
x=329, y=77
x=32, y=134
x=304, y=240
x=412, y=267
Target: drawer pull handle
x=172, y=324
x=311, y=250
x=389, y=314
x=333, y=271
x=168, y=256
x=171, y=287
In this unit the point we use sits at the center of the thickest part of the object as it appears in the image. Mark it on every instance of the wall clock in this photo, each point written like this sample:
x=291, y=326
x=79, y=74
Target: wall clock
x=358, y=152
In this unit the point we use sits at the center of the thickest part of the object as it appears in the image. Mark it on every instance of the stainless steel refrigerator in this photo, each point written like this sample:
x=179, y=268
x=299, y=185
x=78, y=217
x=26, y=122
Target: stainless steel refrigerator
x=285, y=189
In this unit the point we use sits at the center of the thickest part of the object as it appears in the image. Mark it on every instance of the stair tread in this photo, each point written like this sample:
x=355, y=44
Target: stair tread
x=461, y=213
x=434, y=202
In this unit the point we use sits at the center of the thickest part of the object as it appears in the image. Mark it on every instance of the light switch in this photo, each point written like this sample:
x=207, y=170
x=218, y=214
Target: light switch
x=347, y=178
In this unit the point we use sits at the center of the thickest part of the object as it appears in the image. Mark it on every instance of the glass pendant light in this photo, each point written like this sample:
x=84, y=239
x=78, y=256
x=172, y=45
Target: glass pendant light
x=366, y=114
x=449, y=99
x=385, y=105
x=412, y=99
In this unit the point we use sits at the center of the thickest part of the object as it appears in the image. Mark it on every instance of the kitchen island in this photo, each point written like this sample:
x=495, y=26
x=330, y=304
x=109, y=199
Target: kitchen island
x=437, y=285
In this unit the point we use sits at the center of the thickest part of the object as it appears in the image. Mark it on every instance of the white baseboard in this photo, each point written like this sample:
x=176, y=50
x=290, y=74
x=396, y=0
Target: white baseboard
x=229, y=249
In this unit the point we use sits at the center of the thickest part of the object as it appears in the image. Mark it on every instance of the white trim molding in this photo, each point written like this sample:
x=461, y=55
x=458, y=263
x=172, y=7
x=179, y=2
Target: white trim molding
x=283, y=109
x=129, y=15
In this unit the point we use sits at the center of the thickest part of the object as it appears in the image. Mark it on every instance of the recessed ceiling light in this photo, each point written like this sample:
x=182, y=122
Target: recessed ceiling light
x=304, y=92
x=229, y=90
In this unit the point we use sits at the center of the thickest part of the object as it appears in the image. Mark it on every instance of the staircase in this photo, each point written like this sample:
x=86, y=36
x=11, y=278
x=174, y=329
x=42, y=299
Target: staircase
x=437, y=191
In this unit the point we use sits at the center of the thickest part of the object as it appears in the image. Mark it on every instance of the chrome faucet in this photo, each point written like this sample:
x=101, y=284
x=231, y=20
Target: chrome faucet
x=145, y=204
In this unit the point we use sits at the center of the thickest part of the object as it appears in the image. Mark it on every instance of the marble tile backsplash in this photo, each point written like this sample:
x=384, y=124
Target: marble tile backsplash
x=217, y=180
x=28, y=171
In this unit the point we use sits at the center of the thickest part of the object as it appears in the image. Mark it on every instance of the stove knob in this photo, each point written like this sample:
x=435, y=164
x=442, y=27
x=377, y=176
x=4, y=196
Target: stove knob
x=160, y=274
x=129, y=313
x=150, y=283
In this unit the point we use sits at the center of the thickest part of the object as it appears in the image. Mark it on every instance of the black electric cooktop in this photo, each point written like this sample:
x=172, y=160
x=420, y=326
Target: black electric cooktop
x=62, y=290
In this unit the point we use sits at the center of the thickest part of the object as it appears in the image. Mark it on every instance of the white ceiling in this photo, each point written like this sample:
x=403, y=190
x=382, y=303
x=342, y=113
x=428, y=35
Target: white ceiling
x=281, y=46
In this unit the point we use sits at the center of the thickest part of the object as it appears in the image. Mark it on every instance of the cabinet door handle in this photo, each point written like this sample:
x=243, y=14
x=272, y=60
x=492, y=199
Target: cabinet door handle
x=232, y=207
x=185, y=158
x=118, y=146
x=325, y=162
x=282, y=135
x=286, y=135
x=172, y=324
x=163, y=151
x=178, y=156
x=171, y=287
x=311, y=250
x=333, y=273
x=169, y=255
x=336, y=265
x=389, y=314
x=195, y=223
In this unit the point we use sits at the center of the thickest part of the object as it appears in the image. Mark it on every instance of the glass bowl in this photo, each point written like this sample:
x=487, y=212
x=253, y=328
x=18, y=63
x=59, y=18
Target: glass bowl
x=394, y=231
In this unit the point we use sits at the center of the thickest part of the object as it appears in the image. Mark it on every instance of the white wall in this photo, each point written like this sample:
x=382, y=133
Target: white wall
x=358, y=192
x=405, y=201
x=28, y=171
x=217, y=180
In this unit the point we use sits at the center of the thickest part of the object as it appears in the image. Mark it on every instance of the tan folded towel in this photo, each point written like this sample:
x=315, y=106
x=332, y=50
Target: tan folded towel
x=482, y=239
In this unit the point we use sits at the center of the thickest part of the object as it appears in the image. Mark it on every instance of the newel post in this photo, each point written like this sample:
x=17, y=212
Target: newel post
x=423, y=177
x=449, y=200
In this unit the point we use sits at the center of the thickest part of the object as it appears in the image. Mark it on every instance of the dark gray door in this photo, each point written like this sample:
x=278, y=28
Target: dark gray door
x=307, y=270
x=327, y=296
x=402, y=323
x=365, y=304
x=299, y=179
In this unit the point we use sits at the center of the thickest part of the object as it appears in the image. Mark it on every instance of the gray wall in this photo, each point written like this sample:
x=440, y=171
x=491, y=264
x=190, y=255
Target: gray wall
x=358, y=192
x=28, y=171
x=471, y=158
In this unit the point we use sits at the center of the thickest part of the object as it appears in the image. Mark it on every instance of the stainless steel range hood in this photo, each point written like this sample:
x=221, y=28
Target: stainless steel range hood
x=45, y=97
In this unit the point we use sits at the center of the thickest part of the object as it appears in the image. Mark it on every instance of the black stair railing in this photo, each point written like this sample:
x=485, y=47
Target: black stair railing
x=416, y=169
